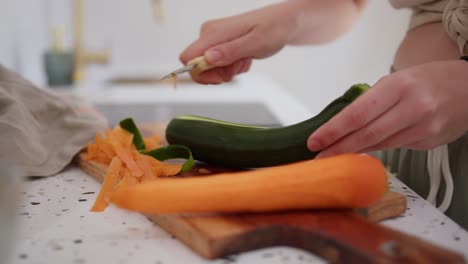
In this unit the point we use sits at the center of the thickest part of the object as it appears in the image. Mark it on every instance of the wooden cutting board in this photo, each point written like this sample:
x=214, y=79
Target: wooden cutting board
x=336, y=235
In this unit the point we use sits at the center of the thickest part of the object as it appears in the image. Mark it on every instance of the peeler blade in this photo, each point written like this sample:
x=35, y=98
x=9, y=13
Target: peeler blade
x=179, y=71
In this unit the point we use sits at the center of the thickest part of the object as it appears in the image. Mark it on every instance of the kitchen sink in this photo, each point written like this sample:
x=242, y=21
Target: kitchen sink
x=153, y=79
x=146, y=80
x=244, y=113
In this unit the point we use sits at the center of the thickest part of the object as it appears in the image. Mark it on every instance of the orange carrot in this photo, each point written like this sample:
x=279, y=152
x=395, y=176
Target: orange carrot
x=108, y=185
x=145, y=166
x=91, y=151
x=107, y=133
x=344, y=181
x=167, y=169
x=116, y=145
x=104, y=146
x=154, y=165
x=174, y=81
x=152, y=142
x=153, y=162
x=128, y=179
x=122, y=138
x=101, y=157
x=127, y=158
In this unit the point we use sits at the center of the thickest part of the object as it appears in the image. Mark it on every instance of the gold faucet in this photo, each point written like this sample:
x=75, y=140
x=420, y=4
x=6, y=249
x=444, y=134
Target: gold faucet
x=159, y=11
x=83, y=57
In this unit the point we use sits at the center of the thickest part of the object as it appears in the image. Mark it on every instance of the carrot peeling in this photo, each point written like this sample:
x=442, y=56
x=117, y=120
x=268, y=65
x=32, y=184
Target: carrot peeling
x=126, y=166
x=174, y=81
x=108, y=185
x=127, y=158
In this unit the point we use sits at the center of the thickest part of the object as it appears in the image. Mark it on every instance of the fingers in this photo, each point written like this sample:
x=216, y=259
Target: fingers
x=214, y=33
x=225, y=42
x=229, y=52
x=357, y=115
x=222, y=48
x=395, y=141
x=395, y=119
x=246, y=66
x=194, y=50
x=222, y=74
x=405, y=109
x=419, y=136
x=208, y=77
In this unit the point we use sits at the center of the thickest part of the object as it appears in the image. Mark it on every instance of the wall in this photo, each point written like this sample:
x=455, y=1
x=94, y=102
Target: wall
x=139, y=44
x=7, y=37
x=316, y=75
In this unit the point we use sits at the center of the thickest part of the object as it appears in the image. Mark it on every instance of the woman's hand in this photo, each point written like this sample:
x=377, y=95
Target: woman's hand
x=231, y=43
x=418, y=108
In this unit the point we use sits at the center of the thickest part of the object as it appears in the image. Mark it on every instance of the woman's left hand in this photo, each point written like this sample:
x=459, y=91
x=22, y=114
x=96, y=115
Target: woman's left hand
x=417, y=108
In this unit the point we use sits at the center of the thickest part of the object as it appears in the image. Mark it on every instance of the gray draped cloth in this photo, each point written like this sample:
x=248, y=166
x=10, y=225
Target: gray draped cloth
x=41, y=131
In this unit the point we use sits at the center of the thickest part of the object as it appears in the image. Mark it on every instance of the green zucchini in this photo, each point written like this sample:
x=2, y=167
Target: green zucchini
x=242, y=146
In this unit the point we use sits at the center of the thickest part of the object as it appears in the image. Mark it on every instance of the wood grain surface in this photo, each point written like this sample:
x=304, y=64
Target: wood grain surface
x=336, y=235
x=340, y=236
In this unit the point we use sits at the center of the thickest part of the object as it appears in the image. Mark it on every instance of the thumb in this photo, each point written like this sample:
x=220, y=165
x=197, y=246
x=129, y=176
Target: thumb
x=233, y=51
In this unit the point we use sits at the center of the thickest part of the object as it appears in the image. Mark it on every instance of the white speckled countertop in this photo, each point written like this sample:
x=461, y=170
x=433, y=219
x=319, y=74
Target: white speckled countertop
x=55, y=226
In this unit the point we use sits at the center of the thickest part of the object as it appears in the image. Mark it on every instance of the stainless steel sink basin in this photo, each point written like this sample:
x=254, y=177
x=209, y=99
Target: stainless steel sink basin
x=148, y=80
x=244, y=113
x=145, y=80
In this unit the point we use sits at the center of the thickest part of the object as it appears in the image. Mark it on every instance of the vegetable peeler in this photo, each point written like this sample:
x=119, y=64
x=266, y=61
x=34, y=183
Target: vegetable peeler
x=195, y=66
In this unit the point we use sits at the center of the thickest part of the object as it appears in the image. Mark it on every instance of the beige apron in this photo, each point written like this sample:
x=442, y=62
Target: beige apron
x=418, y=168
x=452, y=13
x=411, y=167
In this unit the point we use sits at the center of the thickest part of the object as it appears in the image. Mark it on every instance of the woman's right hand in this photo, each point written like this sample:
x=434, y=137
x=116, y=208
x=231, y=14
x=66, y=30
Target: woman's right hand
x=231, y=43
